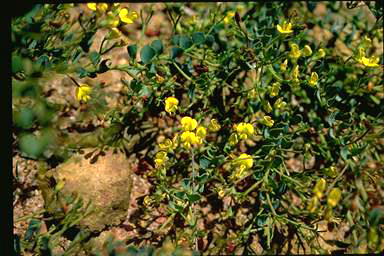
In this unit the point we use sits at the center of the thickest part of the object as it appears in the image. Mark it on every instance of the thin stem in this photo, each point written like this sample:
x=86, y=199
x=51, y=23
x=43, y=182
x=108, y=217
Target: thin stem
x=270, y=205
x=182, y=72
x=337, y=179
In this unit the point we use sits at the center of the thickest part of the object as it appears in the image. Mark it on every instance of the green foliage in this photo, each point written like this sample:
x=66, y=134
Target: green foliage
x=326, y=125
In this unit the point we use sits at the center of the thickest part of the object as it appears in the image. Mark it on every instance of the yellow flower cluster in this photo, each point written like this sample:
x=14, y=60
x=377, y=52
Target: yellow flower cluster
x=295, y=52
x=171, y=104
x=188, y=137
x=267, y=120
x=98, y=6
x=244, y=130
x=275, y=89
x=83, y=92
x=128, y=16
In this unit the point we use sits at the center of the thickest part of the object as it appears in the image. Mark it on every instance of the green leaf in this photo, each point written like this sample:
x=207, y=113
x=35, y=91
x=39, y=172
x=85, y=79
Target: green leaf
x=17, y=64
x=95, y=58
x=344, y=153
x=198, y=38
x=152, y=69
x=147, y=54
x=204, y=162
x=176, y=52
x=31, y=145
x=132, y=50
x=185, y=42
x=25, y=118
x=157, y=45
x=136, y=86
x=185, y=184
x=180, y=194
x=193, y=197
x=175, y=40
x=209, y=40
x=375, y=99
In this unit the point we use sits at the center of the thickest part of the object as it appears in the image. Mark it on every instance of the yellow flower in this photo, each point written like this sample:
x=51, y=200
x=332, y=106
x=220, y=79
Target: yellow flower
x=127, y=16
x=112, y=20
x=295, y=74
x=279, y=103
x=166, y=145
x=307, y=50
x=214, y=126
x=201, y=132
x=92, y=6
x=114, y=33
x=334, y=197
x=233, y=139
x=267, y=107
x=370, y=62
x=314, y=78
x=175, y=141
x=312, y=206
x=367, y=41
x=188, y=123
x=171, y=104
x=286, y=28
x=102, y=6
x=267, y=120
x=189, y=139
x=229, y=16
x=244, y=130
x=83, y=92
x=240, y=171
x=284, y=65
x=321, y=53
x=295, y=52
x=275, y=89
x=319, y=188
x=245, y=159
x=160, y=159
x=159, y=79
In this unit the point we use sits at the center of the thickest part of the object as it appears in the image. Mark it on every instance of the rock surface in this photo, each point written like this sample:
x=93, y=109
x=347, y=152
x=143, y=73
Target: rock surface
x=106, y=182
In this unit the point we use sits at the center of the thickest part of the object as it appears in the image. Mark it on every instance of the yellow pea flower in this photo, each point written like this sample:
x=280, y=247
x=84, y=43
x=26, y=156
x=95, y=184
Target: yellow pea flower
x=295, y=74
x=102, y=6
x=267, y=120
x=92, y=6
x=314, y=78
x=307, y=50
x=228, y=17
x=83, y=92
x=166, y=145
x=201, y=132
x=370, y=62
x=312, y=206
x=275, y=89
x=188, y=123
x=284, y=65
x=114, y=33
x=321, y=53
x=246, y=160
x=214, y=126
x=175, y=141
x=279, y=103
x=286, y=28
x=112, y=20
x=189, y=139
x=334, y=197
x=233, y=139
x=267, y=107
x=295, y=52
x=244, y=130
x=128, y=16
x=160, y=159
x=171, y=104
x=319, y=188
